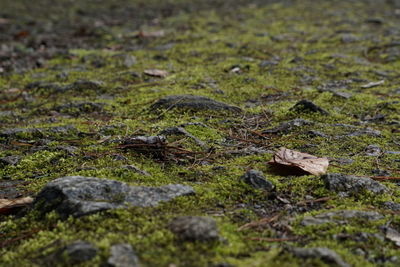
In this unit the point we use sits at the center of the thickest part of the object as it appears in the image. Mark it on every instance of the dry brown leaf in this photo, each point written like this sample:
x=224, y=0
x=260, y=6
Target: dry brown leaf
x=156, y=73
x=7, y=204
x=303, y=161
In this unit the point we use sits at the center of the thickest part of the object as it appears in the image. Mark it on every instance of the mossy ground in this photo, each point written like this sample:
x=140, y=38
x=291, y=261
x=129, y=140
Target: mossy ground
x=305, y=40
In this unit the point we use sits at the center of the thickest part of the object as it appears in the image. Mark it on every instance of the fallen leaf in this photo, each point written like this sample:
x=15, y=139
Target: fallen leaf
x=372, y=84
x=7, y=204
x=302, y=161
x=156, y=73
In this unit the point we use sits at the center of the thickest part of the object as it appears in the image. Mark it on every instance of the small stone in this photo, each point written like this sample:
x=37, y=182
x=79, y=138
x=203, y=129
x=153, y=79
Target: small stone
x=122, y=255
x=314, y=133
x=257, y=180
x=10, y=160
x=352, y=184
x=390, y=205
x=79, y=196
x=75, y=253
x=308, y=106
x=325, y=254
x=77, y=108
x=379, y=172
x=288, y=126
x=341, y=217
x=349, y=38
x=194, y=228
x=367, y=131
x=84, y=85
x=136, y=169
x=129, y=61
x=192, y=102
x=373, y=151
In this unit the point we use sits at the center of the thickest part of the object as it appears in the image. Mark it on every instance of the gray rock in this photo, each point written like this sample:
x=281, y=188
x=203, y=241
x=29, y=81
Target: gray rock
x=373, y=150
x=10, y=160
x=10, y=188
x=149, y=145
x=79, y=196
x=325, y=254
x=257, y=180
x=78, y=108
x=122, y=255
x=194, y=228
x=308, y=106
x=341, y=217
x=390, y=205
x=314, y=133
x=367, y=131
x=84, y=85
x=75, y=253
x=352, y=184
x=193, y=102
x=37, y=132
x=288, y=126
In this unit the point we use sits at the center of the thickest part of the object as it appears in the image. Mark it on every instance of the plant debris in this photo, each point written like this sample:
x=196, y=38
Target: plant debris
x=289, y=158
x=8, y=205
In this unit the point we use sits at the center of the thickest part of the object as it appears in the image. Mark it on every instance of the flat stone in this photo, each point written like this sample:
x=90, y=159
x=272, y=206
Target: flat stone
x=84, y=85
x=37, y=132
x=78, y=108
x=10, y=160
x=341, y=217
x=367, y=131
x=373, y=151
x=325, y=254
x=195, y=228
x=193, y=102
x=352, y=184
x=123, y=255
x=10, y=188
x=74, y=253
x=308, y=106
x=390, y=205
x=288, y=126
x=79, y=196
x=257, y=180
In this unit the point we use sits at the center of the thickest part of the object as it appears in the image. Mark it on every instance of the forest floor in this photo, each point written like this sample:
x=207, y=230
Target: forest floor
x=84, y=89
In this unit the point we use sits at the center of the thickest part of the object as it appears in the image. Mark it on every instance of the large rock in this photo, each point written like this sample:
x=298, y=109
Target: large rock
x=194, y=228
x=122, y=255
x=78, y=195
x=341, y=217
x=325, y=254
x=193, y=102
x=352, y=184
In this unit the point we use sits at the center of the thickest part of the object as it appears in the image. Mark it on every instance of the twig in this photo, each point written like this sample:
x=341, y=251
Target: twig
x=262, y=222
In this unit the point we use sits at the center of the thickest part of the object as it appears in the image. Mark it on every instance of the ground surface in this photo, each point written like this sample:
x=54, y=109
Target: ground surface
x=88, y=67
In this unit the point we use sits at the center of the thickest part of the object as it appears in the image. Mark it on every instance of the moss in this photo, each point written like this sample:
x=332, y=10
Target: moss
x=305, y=53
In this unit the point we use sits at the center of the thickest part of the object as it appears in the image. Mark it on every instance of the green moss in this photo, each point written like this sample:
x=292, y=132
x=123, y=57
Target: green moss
x=201, y=50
